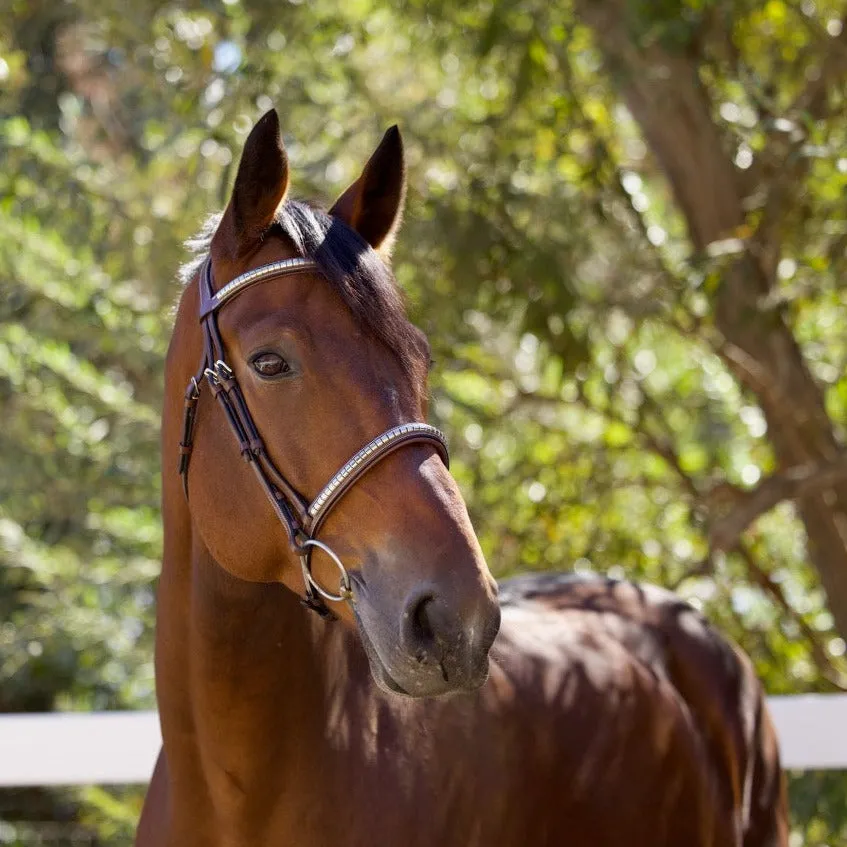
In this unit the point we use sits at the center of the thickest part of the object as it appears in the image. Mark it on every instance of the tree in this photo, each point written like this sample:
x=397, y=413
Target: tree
x=625, y=237
x=661, y=68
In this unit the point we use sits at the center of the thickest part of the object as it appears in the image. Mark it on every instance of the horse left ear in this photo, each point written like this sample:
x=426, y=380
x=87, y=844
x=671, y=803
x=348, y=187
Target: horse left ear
x=373, y=204
x=260, y=186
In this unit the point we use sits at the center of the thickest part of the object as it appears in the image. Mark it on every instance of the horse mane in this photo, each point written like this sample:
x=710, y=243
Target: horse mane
x=350, y=265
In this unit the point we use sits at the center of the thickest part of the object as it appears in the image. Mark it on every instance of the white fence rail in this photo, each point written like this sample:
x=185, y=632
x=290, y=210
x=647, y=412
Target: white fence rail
x=75, y=748
x=114, y=748
x=812, y=730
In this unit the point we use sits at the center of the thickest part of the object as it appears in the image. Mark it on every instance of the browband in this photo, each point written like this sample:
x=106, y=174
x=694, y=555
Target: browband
x=209, y=304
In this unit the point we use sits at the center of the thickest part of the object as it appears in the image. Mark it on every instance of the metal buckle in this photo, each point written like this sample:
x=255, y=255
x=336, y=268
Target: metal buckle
x=220, y=377
x=192, y=391
x=219, y=374
x=345, y=591
x=222, y=370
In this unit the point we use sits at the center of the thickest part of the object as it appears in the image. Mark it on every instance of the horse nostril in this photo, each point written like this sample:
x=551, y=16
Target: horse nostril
x=425, y=626
x=421, y=623
x=448, y=636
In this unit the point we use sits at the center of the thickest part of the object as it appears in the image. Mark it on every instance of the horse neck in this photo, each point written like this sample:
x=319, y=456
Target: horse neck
x=242, y=671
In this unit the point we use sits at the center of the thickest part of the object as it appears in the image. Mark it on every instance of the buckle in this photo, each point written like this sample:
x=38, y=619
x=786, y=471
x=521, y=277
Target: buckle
x=192, y=391
x=223, y=371
x=220, y=377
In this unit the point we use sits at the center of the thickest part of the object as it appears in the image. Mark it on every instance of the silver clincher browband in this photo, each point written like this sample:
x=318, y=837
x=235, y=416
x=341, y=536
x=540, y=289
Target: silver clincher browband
x=300, y=518
x=262, y=274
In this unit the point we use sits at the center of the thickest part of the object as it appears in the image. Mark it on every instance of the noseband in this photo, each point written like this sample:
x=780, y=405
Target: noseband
x=300, y=518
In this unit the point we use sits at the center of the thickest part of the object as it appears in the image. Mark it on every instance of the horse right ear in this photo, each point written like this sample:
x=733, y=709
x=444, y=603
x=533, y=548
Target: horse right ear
x=373, y=204
x=260, y=187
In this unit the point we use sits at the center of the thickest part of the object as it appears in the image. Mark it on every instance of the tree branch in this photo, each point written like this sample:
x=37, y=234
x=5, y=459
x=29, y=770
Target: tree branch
x=783, y=152
x=812, y=100
x=773, y=589
x=791, y=484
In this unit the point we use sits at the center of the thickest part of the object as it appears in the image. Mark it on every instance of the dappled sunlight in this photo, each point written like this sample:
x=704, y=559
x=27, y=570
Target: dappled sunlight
x=627, y=245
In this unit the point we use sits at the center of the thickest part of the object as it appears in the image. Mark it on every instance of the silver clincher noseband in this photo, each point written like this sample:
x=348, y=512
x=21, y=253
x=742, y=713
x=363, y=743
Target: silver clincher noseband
x=300, y=518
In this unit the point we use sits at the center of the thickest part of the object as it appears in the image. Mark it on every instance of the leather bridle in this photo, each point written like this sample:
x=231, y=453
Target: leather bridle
x=300, y=518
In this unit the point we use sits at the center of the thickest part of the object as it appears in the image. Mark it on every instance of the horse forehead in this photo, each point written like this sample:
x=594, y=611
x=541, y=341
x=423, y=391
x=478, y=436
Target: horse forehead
x=302, y=303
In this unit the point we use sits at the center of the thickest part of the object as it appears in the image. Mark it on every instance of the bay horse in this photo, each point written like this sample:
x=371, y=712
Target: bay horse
x=326, y=663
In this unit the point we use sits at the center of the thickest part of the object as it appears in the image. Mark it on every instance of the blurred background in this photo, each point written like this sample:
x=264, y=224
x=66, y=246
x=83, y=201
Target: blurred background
x=626, y=236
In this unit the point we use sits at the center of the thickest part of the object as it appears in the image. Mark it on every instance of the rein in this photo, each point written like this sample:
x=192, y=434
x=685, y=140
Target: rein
x=300, y=518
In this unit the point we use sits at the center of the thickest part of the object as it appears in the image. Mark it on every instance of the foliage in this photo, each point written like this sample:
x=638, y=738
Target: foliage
x=595, y=418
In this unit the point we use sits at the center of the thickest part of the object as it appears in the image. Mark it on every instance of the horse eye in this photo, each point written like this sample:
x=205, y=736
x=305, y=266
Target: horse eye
x=270, y=364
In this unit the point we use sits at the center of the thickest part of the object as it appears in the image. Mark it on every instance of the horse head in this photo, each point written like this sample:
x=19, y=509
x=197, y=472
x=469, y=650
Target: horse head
x=314, y=364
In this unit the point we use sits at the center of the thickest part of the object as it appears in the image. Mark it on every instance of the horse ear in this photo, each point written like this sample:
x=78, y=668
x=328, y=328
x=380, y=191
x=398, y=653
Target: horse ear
x=260, y=184
x=373, y=204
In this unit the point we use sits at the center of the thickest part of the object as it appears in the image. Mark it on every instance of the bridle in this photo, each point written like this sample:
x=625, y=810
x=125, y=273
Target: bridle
x=300, y=518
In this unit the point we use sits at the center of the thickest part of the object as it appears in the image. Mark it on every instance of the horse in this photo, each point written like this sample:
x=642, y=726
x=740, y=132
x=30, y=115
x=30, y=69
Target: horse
x=333, y=663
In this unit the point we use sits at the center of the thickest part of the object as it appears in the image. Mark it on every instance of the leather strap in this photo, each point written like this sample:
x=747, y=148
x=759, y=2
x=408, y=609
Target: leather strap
x=186, y=444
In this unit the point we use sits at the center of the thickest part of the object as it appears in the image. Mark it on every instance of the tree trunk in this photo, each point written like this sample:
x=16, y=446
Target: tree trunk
x=663, y=92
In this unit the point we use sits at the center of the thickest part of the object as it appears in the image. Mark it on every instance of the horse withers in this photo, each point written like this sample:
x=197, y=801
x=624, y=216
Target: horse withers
x=311, y=489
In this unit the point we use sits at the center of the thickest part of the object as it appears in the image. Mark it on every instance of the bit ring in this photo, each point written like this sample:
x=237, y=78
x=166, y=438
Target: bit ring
x=345, y=590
